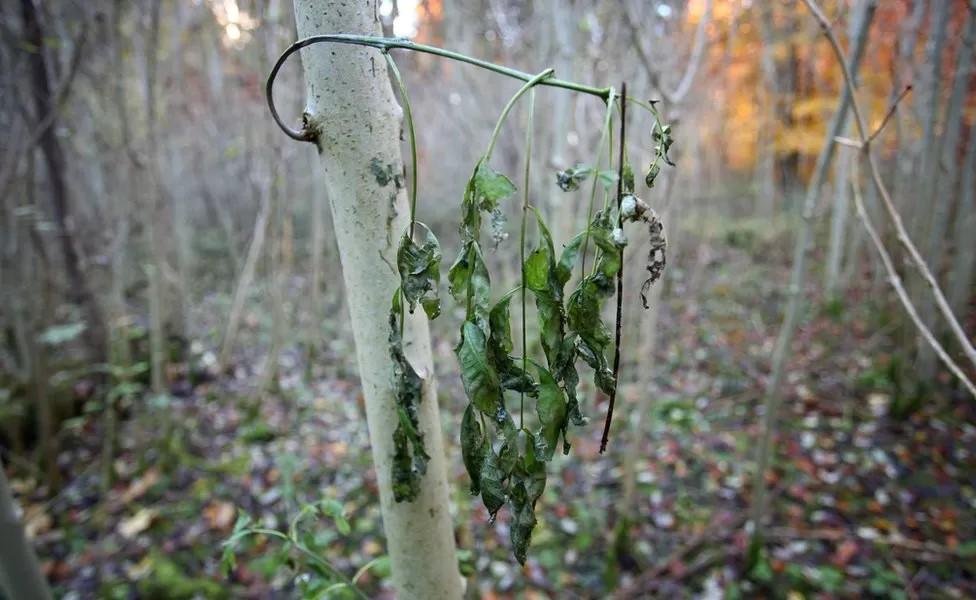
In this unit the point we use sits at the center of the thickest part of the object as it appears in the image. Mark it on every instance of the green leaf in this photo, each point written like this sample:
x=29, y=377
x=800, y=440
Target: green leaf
x=490, y=187
x=567, y=260
x=474, y=447
x=628, y=183
x=480, y=380
x=470, y=283
x=552, y=410
x=419, y=267
x=608, y=179
x=529, y=482
x=511, y=375
x=537, y=269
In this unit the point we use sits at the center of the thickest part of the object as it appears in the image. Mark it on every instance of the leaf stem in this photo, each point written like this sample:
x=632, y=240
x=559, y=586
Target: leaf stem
x=596, y=167
x=385, y=44
x=508, y=108
x=525, y=209
x=408, y=118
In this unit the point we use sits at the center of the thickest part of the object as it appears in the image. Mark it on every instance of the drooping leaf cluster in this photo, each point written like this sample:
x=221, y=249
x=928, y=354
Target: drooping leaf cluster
x=507, y=461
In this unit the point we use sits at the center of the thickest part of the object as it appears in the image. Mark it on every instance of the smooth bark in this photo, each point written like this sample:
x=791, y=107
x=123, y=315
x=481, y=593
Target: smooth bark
x=20, y=572
x=350, y=106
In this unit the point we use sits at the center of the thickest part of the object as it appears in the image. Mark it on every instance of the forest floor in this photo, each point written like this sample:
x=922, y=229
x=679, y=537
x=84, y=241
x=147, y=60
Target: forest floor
x=873, y=487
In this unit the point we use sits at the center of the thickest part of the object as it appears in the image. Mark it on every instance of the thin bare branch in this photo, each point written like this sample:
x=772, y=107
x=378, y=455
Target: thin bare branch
x=676, y=95
x=44, y=121
x=903, y=236
x=896, y=283
x=891, y=113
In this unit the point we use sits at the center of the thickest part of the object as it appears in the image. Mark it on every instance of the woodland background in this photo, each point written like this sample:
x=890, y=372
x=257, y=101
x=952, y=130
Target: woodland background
x=174, y=346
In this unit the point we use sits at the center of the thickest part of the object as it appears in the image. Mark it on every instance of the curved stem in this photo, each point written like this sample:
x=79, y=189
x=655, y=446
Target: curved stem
x=386, y=44
x=408, y=117
x=525, y=210
x=596, y=172
x=531, y=83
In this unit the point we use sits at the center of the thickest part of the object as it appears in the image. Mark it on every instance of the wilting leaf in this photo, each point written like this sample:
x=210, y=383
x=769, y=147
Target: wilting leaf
x=656, y=254
x=512, y=376
x=490, y=187
x=419, y=267
x=652, y=172
x=474, y=447
x=508, y=451
x=410, y=457
x=570, y=179
x=470, y=283
x=493, y=489
x=485, y=189
x=480, y=380
x=567, y=260
x=628, y=182
x=406, y=482
x=552, y=410
x=529, y=483
x=498, y=222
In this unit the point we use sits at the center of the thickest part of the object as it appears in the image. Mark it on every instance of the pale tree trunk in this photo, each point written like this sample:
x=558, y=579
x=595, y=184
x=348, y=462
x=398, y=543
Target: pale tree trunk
x=278, y=278
x=247, y=275
x=151, y=212
x=944, y=185
x=863, y=16
x=838, y=220
x=767, y=131
x=350, y=105
x=56, y=164
x=318, y=200
x=907, y=41
x=839, y=210
x=961, y=289
x=918, y=211
x=20, y=573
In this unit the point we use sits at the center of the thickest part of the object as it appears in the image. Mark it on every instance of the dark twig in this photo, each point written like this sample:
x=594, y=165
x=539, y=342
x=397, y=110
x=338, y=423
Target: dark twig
x=620, y=271
x=891, y=112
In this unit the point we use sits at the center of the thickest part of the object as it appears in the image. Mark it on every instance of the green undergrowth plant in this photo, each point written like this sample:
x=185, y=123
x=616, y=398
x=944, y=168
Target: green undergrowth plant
x=506, y=457
x=301, y=548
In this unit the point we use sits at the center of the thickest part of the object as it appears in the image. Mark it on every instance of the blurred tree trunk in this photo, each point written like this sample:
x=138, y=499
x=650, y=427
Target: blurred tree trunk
x=563, y=23
x=863, y=15
x=840, y=208
x=56, y=165
x=944, y=179
x=151, y=213
x=247, y=274
x=20, y=573
x=351, y=107
x=317, y=249
x=961, y=280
